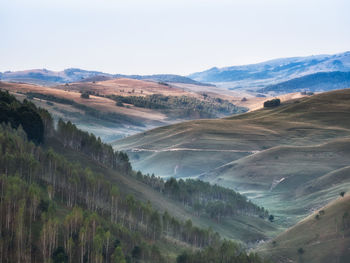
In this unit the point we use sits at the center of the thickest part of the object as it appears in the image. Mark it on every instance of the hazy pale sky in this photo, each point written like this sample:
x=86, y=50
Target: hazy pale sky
x=166, y=36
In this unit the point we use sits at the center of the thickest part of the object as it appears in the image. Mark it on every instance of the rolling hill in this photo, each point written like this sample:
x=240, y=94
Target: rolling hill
x=257, y=152
x=322, y=237
x=167, y=78
x=101, y=115
x=49, y=77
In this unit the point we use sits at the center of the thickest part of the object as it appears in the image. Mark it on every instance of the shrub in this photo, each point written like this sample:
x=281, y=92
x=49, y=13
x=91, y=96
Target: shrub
x=272, y=103
x=85, y=95
x=119, y=104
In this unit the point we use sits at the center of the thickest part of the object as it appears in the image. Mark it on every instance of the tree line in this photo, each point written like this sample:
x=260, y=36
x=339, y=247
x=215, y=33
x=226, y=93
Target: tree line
x=181, y=106
x=203, y=198
x=224, y=252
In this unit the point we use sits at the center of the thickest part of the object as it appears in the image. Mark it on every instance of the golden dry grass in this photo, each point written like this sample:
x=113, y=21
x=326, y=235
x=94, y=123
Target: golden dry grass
x=127, y=87
x=96, y=102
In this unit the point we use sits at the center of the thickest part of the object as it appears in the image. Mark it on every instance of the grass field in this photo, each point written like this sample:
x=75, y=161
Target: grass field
x=306, y=121
x=324, y=237
x=282, y=158
x=127, y=87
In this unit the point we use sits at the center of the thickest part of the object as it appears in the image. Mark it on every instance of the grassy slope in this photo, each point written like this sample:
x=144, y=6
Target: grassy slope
x=301, y=141
x=324, y=240
x=290, y=180
x=307, y=121
x=99, y=103
x=108, y=130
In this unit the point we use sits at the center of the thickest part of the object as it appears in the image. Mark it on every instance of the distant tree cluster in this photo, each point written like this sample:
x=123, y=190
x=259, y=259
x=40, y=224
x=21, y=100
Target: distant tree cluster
x=181, y=106
x=307, y=93
x=272, y=103
x=85, y=95
x=215, y=201
x=223, y=252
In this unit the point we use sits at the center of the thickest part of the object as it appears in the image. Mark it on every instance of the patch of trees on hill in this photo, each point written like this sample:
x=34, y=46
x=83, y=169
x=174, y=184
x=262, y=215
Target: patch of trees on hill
x=181, y=106
x=215, y=201
x=272, y=103
x=85, y=95
x=22, y=114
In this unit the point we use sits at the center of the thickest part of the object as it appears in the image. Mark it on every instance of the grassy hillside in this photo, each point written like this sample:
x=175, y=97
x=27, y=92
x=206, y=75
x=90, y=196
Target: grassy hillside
x=322, y=237
x=269, y=154
x=306, y=176
x=107, y=117
x=305, y=121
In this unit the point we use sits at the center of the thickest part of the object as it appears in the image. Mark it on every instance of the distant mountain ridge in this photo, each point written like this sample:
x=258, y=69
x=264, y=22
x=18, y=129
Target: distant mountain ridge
x=278, y=69
x=48, y=77
x=318, y=82
x=44, y=76
x=171, y=78
x=251, y=78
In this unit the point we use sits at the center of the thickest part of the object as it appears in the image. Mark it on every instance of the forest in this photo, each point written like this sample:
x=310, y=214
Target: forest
x=54, y=208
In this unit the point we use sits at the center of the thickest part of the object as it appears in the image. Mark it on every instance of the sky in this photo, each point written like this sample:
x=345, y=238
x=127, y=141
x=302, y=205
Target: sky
x=166, y=36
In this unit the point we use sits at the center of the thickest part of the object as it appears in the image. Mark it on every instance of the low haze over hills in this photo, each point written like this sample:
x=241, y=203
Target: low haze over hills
x=255, y=151
x=178, y=131
x=256, y=170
